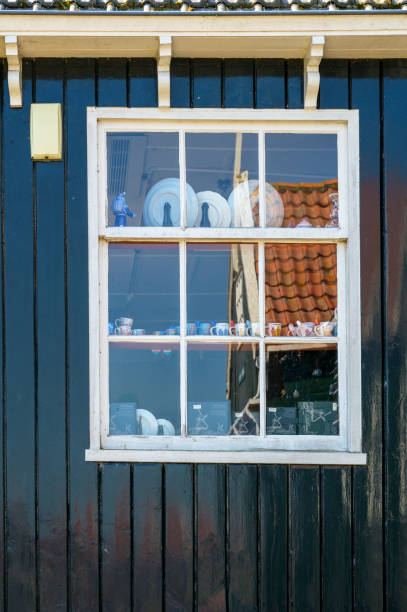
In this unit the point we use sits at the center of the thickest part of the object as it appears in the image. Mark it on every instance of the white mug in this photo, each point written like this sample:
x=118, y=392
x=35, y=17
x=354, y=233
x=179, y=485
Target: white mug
x=326, y=328
x=274, y=329
x=255, y=328
x=239, y=329
x=123, y=321
x=220, y=329
x=138, y=332
x=123, y=330
x=305, y=329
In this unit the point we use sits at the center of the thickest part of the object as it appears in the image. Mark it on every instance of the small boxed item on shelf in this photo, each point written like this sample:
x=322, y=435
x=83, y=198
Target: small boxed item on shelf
x=281, y=420
x=209, y=418
x=123, y=419
x=319, y=418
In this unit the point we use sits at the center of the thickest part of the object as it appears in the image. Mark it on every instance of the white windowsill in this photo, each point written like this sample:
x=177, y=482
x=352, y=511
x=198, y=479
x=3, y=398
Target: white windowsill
x=287, y=457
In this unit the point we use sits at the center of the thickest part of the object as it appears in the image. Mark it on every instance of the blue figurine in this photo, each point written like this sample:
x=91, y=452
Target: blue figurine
x=120, y=209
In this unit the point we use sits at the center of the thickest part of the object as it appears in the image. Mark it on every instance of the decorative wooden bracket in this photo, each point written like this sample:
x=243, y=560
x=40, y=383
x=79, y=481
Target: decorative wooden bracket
x=163, y=71
x=14, y=71
x=311, y=71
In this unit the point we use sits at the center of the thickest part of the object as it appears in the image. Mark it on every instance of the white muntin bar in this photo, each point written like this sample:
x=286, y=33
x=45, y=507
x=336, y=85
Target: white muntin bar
x=182, y=176
x=183, y=344
x=262, y=179
x=262, y=374
x=103, y=336
x=228, y=234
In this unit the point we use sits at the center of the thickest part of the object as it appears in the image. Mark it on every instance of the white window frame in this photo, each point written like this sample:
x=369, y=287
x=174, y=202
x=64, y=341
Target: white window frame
x=310, y=449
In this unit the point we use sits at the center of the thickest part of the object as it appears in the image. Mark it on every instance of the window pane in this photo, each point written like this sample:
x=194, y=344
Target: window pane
x=143, y=166
x=302, y=392
x=301, y=289
x=143, y=289
x=302, y=173
x=144, y=389
x=222, y=169
x=223, y=389
x=222, y=289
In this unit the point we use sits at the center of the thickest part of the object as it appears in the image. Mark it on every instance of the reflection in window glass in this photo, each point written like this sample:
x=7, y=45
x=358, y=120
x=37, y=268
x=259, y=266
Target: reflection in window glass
x=223, y=390
x=143, y=289
x=302, y=392
x=222, y=289
x=302, y=170
x=144, y=167
x=222, y=169
x=301, y=290
x=144, y=389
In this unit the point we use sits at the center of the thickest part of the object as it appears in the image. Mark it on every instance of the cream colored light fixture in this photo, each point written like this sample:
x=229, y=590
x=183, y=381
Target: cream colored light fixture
x=46, y=132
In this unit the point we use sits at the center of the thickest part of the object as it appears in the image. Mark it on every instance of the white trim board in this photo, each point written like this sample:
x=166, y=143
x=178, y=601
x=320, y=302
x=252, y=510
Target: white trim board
x=347, y=35
x=346, y=446
x=283, y=457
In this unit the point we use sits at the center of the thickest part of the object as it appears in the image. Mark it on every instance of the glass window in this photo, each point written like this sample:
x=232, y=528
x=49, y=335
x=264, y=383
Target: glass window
x=143, y=289
x=222, y=169
x=302, y=171
x=143, y=186
x=144, y=389
x=225, y=288
x=223, y=390
x=302, y=391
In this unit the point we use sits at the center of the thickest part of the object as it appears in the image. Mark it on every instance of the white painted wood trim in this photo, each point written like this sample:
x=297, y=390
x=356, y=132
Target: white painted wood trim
x=14, y=71
x=345, y=124
x=93, y=250
x=311, y=71
x=163, y=70
x=250, y=234
x=194, y=119
x=373, y=34
x=284, y=457
x=353, y=280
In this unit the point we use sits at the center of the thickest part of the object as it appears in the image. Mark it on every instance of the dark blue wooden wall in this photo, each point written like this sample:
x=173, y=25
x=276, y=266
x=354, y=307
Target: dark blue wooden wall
x=213, y=538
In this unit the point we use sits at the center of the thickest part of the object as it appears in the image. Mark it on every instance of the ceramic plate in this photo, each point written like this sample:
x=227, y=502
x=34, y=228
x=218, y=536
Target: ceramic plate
x=149, y=426
x=219, y=211
x=249, y=190
x=168, y=190
x=168, y=427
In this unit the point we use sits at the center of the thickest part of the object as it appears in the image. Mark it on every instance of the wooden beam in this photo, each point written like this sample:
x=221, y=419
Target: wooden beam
x=163, y=70
x=311, y=71
x=14, y=70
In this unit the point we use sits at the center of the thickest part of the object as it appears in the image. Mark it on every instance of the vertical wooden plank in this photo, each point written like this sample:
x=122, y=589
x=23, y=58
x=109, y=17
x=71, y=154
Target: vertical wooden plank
x=19, y=351
x=116, y=538
x=142, y=82
x=295, y=83
x=336, y=498
x=115, y=482
x=180, y=87
x=334, y=83
x=2, y=387
x=302, y=486
x=50, y=268
x=83, y=477
x=336, y=554
x=112, y=82
x=238, y=89
x=273, y=537
x=147, y=537
x=304, y=539
x=242, y=537
x=206, y=83
x=270, y=83
x=179, y=538
x=367, y=483
x=210, y=550
x=395, y=270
